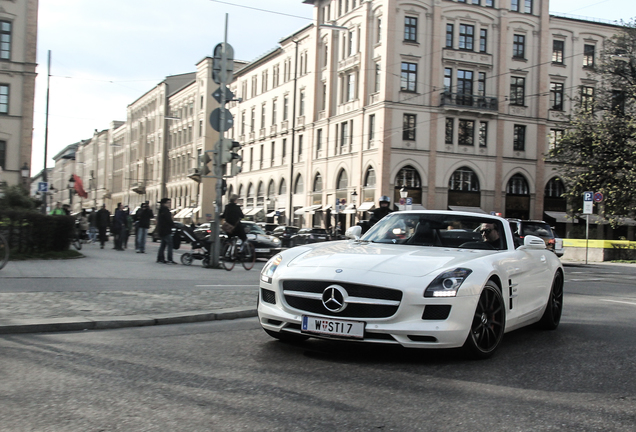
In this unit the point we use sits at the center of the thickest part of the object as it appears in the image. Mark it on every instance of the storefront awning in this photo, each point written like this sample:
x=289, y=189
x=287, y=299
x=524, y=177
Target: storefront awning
x=366, y=206
x=561, y=217
x=181, y=213
x=327, y=207
x=307, y=209
x=253, y=211
x=350, y=209
x=467, y=209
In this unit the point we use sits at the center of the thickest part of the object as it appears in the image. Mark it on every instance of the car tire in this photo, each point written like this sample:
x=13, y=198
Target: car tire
x=287, y=337
x=554, y=306
x=488, y=325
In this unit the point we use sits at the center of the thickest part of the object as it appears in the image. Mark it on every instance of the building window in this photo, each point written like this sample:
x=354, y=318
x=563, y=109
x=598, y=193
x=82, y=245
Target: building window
x=466, y=37
x=519, y=138
x=378, y=30
x=519, y=46
x=410, y=29
x=481, y=84
x=3, y=154
x=517, y=185
x=252, y=119
x=556, y=96
x=284, y=149
x=554, y=188
x=318, y=142
x=449, y=35
x=272, y=153
x=344, y=136
x=371, y=130
x=448, y=80
x=517, y=91
x=408, y=127
x=5, y=40
x=264, y=84
x=527, y=6
x=350, y=90
x=300, y=148
x=263, y=109
x=409, y=77
x=524, y=6
x=483, y=40
x=274, y=112
x=275, y=76
x=558, y=46
x=285, y=107
x=556, y=135
x=465, y=82
x=450, y=122
x=587, y=98
x=514, y=5
x=483, y=134
x=465, y=132
x=464, y=180
x=301, y=103
x=4, y=99
x=588, y=56
x=489, y=3
x=377, y=82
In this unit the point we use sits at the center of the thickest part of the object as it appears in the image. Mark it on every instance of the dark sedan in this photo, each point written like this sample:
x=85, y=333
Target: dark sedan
x=309, y=235
x=284, y=233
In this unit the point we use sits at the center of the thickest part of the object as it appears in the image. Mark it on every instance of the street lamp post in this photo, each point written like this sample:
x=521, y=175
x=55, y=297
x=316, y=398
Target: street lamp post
x=71, y=190
x=354, y=196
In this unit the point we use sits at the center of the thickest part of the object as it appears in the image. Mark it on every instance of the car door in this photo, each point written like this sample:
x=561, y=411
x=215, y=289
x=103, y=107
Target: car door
x=528, y=273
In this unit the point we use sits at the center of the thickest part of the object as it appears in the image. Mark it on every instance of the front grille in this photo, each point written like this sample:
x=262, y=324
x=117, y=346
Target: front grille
x=371, y=294
x=268, y=296
x=436, y=312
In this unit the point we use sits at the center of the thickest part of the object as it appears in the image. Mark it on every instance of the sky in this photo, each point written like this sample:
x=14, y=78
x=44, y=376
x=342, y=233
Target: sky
x=106, y=54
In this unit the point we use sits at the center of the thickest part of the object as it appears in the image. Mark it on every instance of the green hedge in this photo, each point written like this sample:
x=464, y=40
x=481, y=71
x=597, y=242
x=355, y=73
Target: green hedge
x=32, y=232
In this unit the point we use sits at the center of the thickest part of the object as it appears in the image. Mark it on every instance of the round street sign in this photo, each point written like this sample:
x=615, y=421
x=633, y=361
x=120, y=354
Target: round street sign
x=215, y=120
x=598, y=197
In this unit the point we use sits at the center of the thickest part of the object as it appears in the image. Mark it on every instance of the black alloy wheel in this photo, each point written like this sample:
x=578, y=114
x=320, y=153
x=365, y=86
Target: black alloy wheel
x=489, y=321
x=554, y=306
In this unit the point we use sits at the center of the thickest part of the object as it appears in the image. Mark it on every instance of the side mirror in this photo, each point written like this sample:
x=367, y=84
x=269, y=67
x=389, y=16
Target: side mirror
x=354, y=232
x=533, y=242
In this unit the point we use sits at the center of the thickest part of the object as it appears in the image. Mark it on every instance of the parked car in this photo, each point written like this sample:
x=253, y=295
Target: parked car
x=267, y=227
x=284, y=233
x=309, y=235
x=421, y=279
x=541, y=229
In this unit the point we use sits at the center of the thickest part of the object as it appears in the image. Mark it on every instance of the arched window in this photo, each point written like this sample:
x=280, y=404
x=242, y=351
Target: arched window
x=465, y=180
x=271, y=189
x=369, y=178
x=317, y=183
x=260, y=194
x=250, y=195
x=554, y=188
x=299, y=186
x=343, y=180
x=408, y=177
x=517, y=185
x=282, y=189
x=230, y=190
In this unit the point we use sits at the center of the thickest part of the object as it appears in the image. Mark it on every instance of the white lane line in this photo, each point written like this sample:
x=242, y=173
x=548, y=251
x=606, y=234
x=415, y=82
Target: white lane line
x=584, y=280
x=620, y=301
x=244, y=285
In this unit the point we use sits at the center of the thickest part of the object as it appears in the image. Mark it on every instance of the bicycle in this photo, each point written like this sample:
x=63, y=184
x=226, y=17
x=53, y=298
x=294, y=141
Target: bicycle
x=4, y=251
x=231, y=252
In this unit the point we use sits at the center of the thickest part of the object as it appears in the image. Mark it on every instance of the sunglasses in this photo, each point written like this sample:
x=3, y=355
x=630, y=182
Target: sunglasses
x=486, y=231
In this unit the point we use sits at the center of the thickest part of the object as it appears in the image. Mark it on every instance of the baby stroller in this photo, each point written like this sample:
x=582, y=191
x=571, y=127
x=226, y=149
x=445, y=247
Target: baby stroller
x=200, y=248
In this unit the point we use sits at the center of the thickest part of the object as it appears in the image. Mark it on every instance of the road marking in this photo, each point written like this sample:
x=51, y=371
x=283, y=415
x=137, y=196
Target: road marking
x=244, y=285
x=584, y=280
x=620, y=301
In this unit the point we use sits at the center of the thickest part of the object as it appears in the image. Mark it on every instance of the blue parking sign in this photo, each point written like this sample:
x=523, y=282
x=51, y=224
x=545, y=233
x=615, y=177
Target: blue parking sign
x=43, y=187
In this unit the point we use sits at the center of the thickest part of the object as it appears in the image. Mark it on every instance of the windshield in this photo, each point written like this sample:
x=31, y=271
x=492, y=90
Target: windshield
x=446, y=230
x=252, y=229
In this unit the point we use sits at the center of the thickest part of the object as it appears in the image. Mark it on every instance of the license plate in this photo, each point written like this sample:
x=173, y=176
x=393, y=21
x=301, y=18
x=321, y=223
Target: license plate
x=261, y=250
x=332, y=327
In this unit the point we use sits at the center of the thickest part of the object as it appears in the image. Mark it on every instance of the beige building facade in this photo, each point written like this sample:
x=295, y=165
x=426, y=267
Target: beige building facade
x=454, y=103
x=18, y=43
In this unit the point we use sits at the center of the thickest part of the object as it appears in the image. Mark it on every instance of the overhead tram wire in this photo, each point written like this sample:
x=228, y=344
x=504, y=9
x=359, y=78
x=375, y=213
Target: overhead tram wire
x=262, y=10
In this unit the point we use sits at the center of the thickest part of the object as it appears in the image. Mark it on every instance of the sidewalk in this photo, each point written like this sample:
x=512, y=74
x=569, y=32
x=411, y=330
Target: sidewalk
x=110, y=289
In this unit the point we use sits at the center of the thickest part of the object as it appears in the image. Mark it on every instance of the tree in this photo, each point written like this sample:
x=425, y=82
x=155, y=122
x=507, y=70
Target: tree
x=598, y=150
x=17, y=198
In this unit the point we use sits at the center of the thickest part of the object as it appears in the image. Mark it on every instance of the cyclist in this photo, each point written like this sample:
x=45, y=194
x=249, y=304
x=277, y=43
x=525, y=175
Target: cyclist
x=381, y=211
x=233, y=215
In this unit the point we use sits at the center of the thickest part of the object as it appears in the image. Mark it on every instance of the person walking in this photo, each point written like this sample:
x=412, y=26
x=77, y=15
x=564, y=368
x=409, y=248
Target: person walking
x=58, y=210
x=92, y=226
x=118, y=226
x=143, y=216
x=127, y=228
x=164, y=228
x=102, y=220
x=83, y=224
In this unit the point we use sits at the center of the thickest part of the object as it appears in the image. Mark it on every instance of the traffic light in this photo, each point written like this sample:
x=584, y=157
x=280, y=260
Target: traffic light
x=228, y=150
x=235, y=169
x=195, y=175
x=204, y=160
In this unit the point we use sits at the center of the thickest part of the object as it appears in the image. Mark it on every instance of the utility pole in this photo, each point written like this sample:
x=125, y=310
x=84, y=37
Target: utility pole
x=46, y=131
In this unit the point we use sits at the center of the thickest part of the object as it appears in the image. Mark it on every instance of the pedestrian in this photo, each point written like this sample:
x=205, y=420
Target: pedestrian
x=92, y=226
x=67, y=209
x=102, y=221
x=127, y=228
x=119, y=221
x=83, y=224
x=143, y=216
x=58, y=210
x=164, y=228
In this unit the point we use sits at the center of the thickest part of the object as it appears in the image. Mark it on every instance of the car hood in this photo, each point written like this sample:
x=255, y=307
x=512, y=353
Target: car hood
x=403, y=260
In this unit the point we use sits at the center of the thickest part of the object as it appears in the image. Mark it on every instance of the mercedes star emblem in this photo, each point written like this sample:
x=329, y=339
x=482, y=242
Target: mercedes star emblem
x=334, y=298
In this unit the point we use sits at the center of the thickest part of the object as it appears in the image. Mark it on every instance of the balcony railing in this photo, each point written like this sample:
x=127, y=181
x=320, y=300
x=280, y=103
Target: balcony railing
x=469, y=100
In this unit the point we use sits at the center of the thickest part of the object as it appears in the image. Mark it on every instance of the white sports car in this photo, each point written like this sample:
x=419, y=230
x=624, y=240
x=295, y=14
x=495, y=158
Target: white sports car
x=421, y=279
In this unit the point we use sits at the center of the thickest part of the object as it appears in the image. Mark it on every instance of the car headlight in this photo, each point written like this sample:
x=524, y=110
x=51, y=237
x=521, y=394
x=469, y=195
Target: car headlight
x=447, y=284
x=268, y=271
x=275, y=240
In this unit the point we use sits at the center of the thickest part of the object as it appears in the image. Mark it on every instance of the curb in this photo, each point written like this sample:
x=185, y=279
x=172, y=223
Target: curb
x=20, y=326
